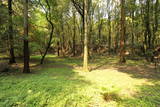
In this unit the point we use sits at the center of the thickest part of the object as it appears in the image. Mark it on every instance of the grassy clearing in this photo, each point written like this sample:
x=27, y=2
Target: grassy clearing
x=60, y=82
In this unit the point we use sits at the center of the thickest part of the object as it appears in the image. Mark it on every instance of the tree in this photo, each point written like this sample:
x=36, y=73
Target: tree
x=156, y=16
x=26, y=68
x=10, y=33
x=85, y=57
x=49, y=20
x=148, y=26
x=122, y=38
x=74, y=33
x=83, y=11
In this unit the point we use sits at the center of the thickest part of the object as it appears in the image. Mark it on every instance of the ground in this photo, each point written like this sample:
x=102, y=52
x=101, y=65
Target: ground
x=60, y=82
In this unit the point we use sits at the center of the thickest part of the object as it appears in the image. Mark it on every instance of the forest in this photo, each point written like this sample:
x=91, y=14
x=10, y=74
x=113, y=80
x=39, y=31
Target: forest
x=79, y=53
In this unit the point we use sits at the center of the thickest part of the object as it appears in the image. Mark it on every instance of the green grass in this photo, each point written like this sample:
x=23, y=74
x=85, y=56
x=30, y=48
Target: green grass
x=60, y=82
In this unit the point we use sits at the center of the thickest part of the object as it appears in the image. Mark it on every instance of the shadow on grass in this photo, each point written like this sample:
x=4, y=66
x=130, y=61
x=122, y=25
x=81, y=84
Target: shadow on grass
x=137, y=69
x=145, y=71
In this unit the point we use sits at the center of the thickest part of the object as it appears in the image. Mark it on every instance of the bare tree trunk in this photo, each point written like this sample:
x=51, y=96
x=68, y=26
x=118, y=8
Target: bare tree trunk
x=26, y=68
x=122, y=38
x=11, y=41
x=85, y=59
x=58, y=48
x=156, y=22
x=148, y=28
x=48, y=18
x=109, y=35
x=99, y=31
x=49, y=42
x=74, y=34
x=133, y=27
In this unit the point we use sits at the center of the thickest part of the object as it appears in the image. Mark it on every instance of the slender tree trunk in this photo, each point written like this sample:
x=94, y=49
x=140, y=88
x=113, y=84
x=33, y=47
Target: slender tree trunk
x=109, y=35
x=85, y=60
x=156, y=16
x=133, y=27
x=90, y=27
x=49, y=42
x=11, y=41
x=63, y=39
x=82, y=34
x=26, y=68
x=99, y=31
x=148, y=28
x=74, y=34
x=144, y=33
x=49, y=20
x=58, y=49
x=122, y=38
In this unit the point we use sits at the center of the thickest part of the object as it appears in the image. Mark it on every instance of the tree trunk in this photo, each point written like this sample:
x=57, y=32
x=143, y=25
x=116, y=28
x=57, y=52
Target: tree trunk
x=63, y=47
x=26, y=68
x=74, y=34
x=85, y=59
x=133, y=27
x=49, y=42
x=156, y=16
x=122, y=38
x=58, y=48
x=48, y=18
x=11, y=41
x=109, y=35
x=99, y=31
x=148, y=28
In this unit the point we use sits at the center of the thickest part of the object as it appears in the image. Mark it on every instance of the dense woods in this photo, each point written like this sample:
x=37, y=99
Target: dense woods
x=98, y=27
x=83, y=30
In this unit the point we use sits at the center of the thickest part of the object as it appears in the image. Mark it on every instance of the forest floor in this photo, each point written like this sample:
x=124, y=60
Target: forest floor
x=60, y=82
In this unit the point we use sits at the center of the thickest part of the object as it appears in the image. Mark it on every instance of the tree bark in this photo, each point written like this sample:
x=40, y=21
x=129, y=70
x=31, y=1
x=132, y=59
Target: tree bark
x=11, y=41
x=74, y=34
x=26, y=68
x=122, y=38
x=109, y=35
x=148, y=28
x=156, y=15
x=85, y=58
x=133, y=26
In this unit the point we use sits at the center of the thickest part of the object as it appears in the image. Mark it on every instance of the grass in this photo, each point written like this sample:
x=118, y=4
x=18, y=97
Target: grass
x=60, y=82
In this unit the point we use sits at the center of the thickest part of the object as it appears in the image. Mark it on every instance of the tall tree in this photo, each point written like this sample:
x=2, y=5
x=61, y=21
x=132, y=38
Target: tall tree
x=85, y=57
x=122, y=38
x=74, y=33
x=147, y=24
x=10, y=33
x=49, y=20
x=156, y=17
x=83, y=11
x=26, y=68
x=109, y=33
